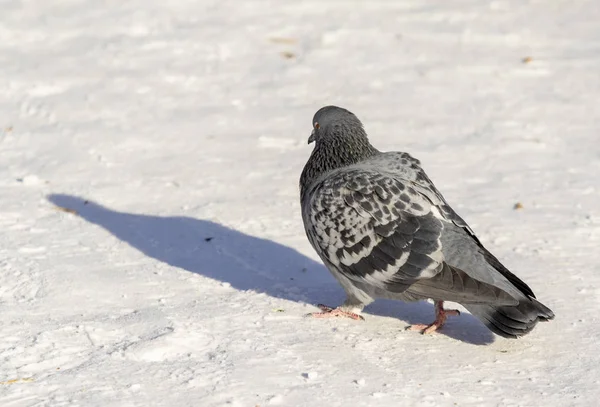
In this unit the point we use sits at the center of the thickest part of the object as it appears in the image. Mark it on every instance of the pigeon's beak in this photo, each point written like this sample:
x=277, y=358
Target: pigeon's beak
x=312, y=137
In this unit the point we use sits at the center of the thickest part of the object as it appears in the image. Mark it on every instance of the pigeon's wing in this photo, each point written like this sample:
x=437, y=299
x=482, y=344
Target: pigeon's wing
x=413, y=172
x=379, y=230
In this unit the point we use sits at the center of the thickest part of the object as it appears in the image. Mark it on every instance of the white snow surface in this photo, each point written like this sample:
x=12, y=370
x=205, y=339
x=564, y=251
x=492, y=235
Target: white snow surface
x=151, y=246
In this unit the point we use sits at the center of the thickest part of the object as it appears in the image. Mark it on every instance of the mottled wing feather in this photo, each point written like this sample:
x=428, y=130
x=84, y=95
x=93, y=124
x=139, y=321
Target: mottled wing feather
x=375, y=229
x=411, y=170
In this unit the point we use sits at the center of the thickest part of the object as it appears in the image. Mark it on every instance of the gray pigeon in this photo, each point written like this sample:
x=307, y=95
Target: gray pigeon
x=384, y=231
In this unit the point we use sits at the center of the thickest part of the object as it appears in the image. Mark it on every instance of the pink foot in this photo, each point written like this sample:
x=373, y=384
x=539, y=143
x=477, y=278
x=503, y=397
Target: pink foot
x=441, y=315
x=328, y=312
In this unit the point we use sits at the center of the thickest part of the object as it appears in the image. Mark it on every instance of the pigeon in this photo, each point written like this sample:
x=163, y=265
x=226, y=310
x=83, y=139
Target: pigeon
x=383, y=230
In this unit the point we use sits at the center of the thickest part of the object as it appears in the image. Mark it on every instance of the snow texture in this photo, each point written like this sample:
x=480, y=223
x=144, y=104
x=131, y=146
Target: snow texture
x=152, y=251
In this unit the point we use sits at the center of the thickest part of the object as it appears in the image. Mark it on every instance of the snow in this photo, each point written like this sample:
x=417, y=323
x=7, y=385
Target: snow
x=151, y=246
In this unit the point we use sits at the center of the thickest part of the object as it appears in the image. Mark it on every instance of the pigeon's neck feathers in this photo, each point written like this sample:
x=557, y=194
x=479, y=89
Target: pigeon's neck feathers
x=336, y=151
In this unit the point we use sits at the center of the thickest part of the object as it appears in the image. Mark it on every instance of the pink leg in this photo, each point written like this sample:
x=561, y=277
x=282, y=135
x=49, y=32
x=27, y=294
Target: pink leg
x=440, y=318
x=328, y=312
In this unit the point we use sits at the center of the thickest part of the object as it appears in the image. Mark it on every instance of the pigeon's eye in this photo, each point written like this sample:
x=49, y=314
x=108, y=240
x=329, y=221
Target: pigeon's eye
x=317, y=125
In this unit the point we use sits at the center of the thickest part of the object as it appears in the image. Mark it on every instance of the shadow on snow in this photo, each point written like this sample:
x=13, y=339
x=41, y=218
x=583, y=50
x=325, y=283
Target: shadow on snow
x=250, y=263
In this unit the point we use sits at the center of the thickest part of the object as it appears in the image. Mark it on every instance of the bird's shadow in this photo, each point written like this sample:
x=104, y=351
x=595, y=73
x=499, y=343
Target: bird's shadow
x=248, y=263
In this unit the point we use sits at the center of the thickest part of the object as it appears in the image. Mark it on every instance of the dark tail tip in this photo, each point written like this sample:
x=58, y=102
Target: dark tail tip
x=512, y=321
x=544, y=313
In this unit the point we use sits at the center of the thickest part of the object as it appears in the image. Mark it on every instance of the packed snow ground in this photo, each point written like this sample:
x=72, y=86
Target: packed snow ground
x=151, y=246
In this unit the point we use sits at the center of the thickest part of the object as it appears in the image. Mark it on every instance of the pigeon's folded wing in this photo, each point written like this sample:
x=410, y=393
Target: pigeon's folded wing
x=379, y=230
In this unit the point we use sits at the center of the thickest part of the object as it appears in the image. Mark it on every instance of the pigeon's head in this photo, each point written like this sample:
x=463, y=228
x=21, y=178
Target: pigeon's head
x=340, y=140
x=334, y=122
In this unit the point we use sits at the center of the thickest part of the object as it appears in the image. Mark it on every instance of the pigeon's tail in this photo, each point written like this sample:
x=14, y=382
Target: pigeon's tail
x=511, y=321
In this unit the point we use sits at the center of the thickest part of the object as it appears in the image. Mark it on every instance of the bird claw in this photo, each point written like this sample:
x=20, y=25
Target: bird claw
x=328, y=312
x=452, y=312
x=440, y=319
x=424, y=328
